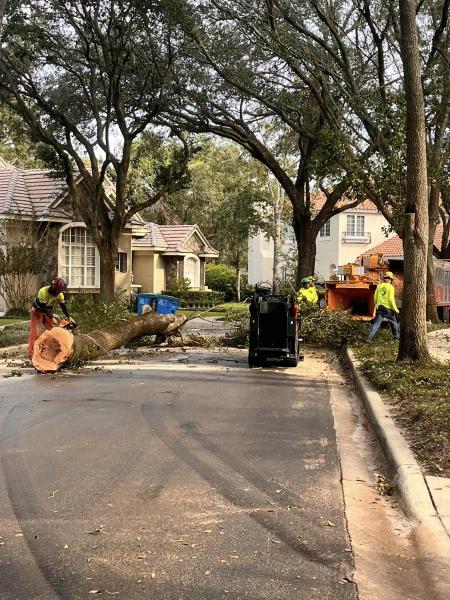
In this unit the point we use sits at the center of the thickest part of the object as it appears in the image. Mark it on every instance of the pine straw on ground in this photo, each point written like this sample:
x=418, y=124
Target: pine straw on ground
x=419, y=397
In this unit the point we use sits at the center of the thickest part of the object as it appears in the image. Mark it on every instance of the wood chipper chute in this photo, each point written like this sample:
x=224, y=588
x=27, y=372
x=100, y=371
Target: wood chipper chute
x=356, y=297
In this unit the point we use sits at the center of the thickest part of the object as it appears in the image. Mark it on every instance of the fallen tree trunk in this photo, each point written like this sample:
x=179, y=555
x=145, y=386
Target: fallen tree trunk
x=58, y=347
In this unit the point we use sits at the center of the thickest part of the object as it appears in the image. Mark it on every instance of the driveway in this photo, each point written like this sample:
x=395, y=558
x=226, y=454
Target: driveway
x=183, y=477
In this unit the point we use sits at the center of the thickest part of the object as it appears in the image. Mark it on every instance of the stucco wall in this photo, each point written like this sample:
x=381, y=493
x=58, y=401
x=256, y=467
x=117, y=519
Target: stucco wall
x=330, y=250
x=123, y=280
x=327, y=249
x=260, y=259
x=159, y=273
x=143, y=269
x=374, y=223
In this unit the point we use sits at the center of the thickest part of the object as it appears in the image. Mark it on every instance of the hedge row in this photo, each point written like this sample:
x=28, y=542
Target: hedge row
x=198, y=299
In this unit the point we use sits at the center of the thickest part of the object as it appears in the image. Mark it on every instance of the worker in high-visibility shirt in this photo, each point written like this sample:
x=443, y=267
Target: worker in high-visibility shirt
x=308, y=291
x=386, y=308
x=42, y=312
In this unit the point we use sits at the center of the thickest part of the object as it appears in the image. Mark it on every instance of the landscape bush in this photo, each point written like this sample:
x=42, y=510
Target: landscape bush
x=237, y=337
x=191, y=299
x=20, y=262
x=222, y=278
x=179, y=287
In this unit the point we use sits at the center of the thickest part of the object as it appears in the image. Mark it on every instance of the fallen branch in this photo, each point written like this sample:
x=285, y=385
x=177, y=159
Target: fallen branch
x=58, y=347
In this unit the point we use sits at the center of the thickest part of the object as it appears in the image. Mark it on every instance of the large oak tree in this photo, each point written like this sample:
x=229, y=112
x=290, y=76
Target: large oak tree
x=347, y=54
x=88, y=78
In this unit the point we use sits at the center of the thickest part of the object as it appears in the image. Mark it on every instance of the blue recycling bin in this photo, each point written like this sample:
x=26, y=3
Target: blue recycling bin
x=164, y=305
x=167, y=305
x=143, y=299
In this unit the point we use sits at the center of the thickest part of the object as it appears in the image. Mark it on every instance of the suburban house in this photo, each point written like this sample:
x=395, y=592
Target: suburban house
x=37, y=207
x=341, y=240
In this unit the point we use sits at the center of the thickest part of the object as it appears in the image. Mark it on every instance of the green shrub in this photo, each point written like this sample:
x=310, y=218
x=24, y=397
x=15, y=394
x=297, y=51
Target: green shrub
x=198, y=299
x=238, y=336
x=222, y=278
x=179, y=287
x=92, y=314
x=18, y=312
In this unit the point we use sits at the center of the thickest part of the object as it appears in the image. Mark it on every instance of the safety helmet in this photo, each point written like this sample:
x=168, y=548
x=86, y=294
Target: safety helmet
x=306, y=280
x=58, y=285
x=388, y=274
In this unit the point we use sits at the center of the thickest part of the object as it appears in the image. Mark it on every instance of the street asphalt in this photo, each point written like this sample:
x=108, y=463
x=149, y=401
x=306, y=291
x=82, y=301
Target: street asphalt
x=174, y=479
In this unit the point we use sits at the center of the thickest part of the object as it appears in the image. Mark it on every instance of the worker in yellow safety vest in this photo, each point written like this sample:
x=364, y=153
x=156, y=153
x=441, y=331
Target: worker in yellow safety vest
x=386, y=308
x=308, y=291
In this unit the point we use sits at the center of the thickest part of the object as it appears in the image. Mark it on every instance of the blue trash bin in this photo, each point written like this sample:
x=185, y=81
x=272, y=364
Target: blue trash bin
x=167, y=305
x=145, y=299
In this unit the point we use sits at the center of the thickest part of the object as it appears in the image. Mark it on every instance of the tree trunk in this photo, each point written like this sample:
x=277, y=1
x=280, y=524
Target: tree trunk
x=445, y=250
x=107, y=273
x=432, y=314
x=277, y=212
x=238, y=283
x=305, y=235
x=413, y=334
x=58, y=347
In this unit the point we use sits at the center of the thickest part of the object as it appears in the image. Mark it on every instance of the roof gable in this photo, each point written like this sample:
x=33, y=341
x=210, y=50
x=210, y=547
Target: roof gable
x=182, y=239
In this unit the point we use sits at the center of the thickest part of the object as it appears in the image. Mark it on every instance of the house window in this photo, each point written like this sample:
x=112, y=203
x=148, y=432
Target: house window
x=355, y=226
x=79, y=258
x=325, y=230
x=122, y=262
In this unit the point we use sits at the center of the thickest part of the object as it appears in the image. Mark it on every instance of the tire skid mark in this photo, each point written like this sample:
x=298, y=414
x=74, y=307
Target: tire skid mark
x=247, y=502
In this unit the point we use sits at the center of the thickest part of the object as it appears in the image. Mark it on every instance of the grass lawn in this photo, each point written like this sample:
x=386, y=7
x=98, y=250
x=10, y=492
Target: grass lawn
x=189, y=312
x=420, y=399
x=221, y=310
x=11, y=321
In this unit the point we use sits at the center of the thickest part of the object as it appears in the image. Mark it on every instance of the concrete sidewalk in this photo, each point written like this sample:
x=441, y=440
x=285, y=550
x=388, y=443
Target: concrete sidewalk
x=426, y=500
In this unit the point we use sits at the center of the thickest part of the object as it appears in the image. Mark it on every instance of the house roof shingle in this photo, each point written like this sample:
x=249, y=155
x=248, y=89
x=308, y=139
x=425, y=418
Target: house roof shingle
x=394, y=246
x=153, y=238
x=34, y=193
x=170, y=237
x=29, y=192
x=319, y=199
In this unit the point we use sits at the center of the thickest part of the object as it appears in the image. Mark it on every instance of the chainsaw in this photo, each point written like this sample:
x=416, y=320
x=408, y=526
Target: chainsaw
x=68, y=325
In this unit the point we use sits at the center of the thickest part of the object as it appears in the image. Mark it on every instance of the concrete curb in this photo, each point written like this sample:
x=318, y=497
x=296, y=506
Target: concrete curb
x=431, y=537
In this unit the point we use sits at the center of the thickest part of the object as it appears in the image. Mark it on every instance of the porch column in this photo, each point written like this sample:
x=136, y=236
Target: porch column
x=202, y=272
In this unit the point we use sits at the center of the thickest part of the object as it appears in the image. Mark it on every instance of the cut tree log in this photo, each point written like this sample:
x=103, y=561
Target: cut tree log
x=59, y=347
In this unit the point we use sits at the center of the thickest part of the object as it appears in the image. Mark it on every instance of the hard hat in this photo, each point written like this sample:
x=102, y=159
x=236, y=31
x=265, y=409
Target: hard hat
x=306, y=280
x=58, y=285
x=388, y=274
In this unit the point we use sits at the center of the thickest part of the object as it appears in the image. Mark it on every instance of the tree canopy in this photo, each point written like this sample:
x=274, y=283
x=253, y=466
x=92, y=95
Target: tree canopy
x=88, y=78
